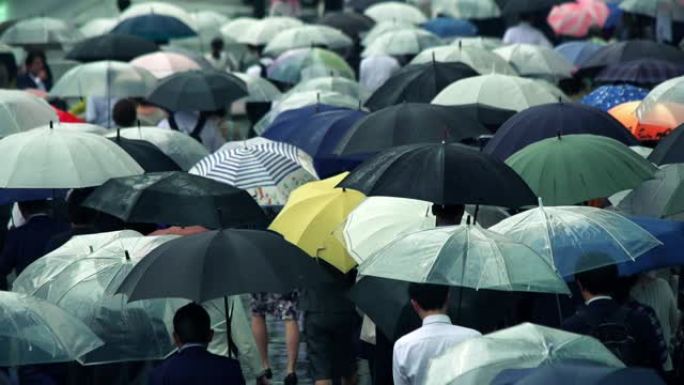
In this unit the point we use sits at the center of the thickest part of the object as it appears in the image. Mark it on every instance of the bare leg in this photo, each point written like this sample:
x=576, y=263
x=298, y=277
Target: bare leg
x=261, y=338
x=323, y=382
x=292, y=341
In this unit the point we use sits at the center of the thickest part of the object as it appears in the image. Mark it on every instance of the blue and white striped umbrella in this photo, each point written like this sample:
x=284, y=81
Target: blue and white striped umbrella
x=268, y=170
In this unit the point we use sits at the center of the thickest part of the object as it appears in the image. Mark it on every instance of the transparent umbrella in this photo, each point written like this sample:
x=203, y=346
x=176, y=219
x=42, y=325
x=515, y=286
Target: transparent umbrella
x=258, y=88
x=41, y=31
x=536, y=61
x=664, y=105
x=20, y=111
x=307, y=36
x=480, y=59
x=109, y=79
x=98, y=26
x=383, y=27
x=334, y=84
x=660, y=197
x=402, y=42
x=392, y=10
x=264, y=30
x=236, y=27
x=488, y=43
x=467, y=9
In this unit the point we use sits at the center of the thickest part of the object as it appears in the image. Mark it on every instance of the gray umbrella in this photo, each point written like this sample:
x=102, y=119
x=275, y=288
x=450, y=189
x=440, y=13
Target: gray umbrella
x=661, y=197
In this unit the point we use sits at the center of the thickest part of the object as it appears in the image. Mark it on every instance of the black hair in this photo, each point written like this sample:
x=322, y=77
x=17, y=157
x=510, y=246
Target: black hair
x=192, y=324
x=217, y=43
x=124, y=113
x=32, y=56
x=429, y=296
x=602, y=280
x=452, y=213
x=78, y=214
x=33, y=207
x=123, y=4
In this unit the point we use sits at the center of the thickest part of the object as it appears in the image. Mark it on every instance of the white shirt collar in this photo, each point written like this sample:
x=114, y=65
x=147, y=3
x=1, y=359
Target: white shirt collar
x=436, y=319
x=598, y=298
x=191, y=345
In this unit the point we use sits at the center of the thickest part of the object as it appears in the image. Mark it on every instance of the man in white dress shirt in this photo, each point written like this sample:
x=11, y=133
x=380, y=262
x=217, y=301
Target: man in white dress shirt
x=414, y=351
x=525, y=33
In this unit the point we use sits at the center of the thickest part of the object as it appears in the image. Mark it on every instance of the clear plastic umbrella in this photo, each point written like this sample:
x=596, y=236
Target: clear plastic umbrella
x=466, y=9
x=41, y=31
x=567, y=235
x=163, y=64
x=82, y=127
x=402, y=42
x=85, y=287
x=479, y=59
x=465, y=256
x=664, y=105
x=395, y=11
x=488, y=43
x=307, y=36
x=333, y=84
x=536, y=61
x=383, y=27
x=33, y=331
x=98, y=26
x=236, y=27
x=20, y=111
x=264, y=30
x=108, y=79
x=258, y=88
x=479, y=360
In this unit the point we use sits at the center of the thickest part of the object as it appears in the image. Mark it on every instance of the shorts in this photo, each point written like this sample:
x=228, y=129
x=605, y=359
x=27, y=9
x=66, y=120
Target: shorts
x=281, y=306
x=331, y=344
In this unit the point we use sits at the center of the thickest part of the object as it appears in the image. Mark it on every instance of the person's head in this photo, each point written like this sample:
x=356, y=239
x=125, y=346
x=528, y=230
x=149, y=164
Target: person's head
x=192, y=325
x=123, y=4
x=125, y=113
x=217, y=45
x=79, y=215
x=448, y=215
x=29, y=208
x=35, y=63
x=600, y=281
x=428, y=299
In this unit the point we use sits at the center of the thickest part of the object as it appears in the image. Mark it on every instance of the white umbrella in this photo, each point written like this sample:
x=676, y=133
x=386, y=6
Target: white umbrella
x=109, y=79
x=382, y=27
x=82, y=127
x=48, y=158
x=208, y=21
x=395, y=11
x=333, y=84
x=98, y=26
x=536, y=61
x=258, y=88
x=41, y=31
x=466, y=9
x=664, y=105
x=307, y=36
x=21, y=111
x=236, y=27
x=488, y=43
x=264, y=30
x=183, y=149
x=163, y=64
x=481, y=60
x=403, y=42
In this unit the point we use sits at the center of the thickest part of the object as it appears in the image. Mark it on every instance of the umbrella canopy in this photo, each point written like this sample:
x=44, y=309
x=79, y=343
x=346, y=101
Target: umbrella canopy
x=236, y=27
x=467, y=9
x=500, y=91
x=43, y=31
x=383, y=27
x=653, y=8
x=664, y=105
x=214, y=264
x=269, y=171
x=418, y=83
x=566, y=235
x=466, y=256
x=146, y=154
x=181, y=148
x=576, y=168
x=262, y=31
x=98, y=26
x=536, y=61
x=446, y=27
x=37, y=332
x=575, y=372
x=484, y=42
x=523, y=346
x=549, y=120
x=340, y=85
x=176, y=198
x=318, y=132
x=302, y=64
x=111, y=47
x=154, y=27
x=625, y=113
x=312, y=214
x=108, y=79
x=402, y=42
x=625, y=51
x=576, y=52
x=378, y=221
x=351, y=23
x=82, y=127
x=49, y=158
x=577, y=18
x=410, y=123
x=395, y=11
x=157, y=8
x=480, y=59
x=670, y=149
x=517, y=7
x=670, y=233
x=258, y=88
x=641, y=72
x=607, y=97
x=197, y=91
x=67, y=117
x=307, y=36
x=163, y=64
x=444, y=174
x=85, y=288
x=21, y=111
x=660, y=197
x=207, y=20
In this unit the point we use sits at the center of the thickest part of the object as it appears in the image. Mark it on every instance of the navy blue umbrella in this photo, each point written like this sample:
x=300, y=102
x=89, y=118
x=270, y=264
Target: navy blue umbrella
x=632, y=50
x=154, y=27
x=445, y=27
x=549, y=120
x=317, y=130
x=641, y=72
x=671, y=234
x=577, y=372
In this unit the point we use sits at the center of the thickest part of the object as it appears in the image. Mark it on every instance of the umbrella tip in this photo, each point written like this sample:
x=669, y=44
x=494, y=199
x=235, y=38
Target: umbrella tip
x=540, y=202
x=468, y=219
x=127, y=255
x=558, y=133
x=91, y=248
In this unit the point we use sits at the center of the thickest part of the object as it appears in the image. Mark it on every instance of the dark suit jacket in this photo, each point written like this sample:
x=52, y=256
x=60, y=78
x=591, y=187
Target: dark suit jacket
x=27, y=243
x=25, y=81
x=195, y=365
x=638, y=324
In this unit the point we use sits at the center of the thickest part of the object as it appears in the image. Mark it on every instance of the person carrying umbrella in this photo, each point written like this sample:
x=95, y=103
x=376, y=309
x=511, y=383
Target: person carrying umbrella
x=525, y=33
x=37, y=75
x=204, y=126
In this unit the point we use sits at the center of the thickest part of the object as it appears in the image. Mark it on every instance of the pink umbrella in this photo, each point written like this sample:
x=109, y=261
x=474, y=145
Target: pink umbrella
x=163, y=64
x=577, y=18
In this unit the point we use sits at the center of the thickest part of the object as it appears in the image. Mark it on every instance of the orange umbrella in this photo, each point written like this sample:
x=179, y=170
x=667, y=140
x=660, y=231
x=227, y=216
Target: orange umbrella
x=625, y=113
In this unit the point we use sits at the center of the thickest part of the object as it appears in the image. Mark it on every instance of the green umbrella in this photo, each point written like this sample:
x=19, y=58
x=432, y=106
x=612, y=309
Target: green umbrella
x=536, y=61
x=403, y=42
x=33, y=331
x=395, y=11
x=479, y=360
x=575, y=168
x=480, y=59
x=307, y=36
x=660, y=197
x=464, y=256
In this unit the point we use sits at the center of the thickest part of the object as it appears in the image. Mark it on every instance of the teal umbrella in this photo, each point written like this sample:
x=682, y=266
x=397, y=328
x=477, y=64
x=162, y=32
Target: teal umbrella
x=33, y=331
x=660, y=197
x=575, y=168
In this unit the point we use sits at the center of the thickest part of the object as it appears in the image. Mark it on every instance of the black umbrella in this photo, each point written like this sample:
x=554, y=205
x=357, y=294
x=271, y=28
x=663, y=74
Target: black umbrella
x=410, y=123
x=632, y=50
x=647, y=72
x=516, y=7
x=176, y=198
x=548, y=120
x=198, y=91
x=670, y=149
x=386, y=303
x=148, y=156
x=218, y=263
x=446, y=174
x=111, y=47
x=351, y=23
x=418, y=83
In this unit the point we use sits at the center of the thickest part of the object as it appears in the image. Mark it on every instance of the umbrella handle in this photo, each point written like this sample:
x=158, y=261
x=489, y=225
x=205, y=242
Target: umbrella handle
x=230, y=345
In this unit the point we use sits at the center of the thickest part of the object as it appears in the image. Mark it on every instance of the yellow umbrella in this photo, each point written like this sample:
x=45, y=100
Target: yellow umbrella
x=312, y=214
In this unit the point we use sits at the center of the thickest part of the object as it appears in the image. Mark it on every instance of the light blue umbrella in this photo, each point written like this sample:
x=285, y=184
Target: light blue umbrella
x=577, y=51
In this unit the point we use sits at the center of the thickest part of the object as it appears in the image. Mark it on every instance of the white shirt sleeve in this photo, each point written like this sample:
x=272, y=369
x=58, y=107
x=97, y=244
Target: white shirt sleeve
x=398, y=369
